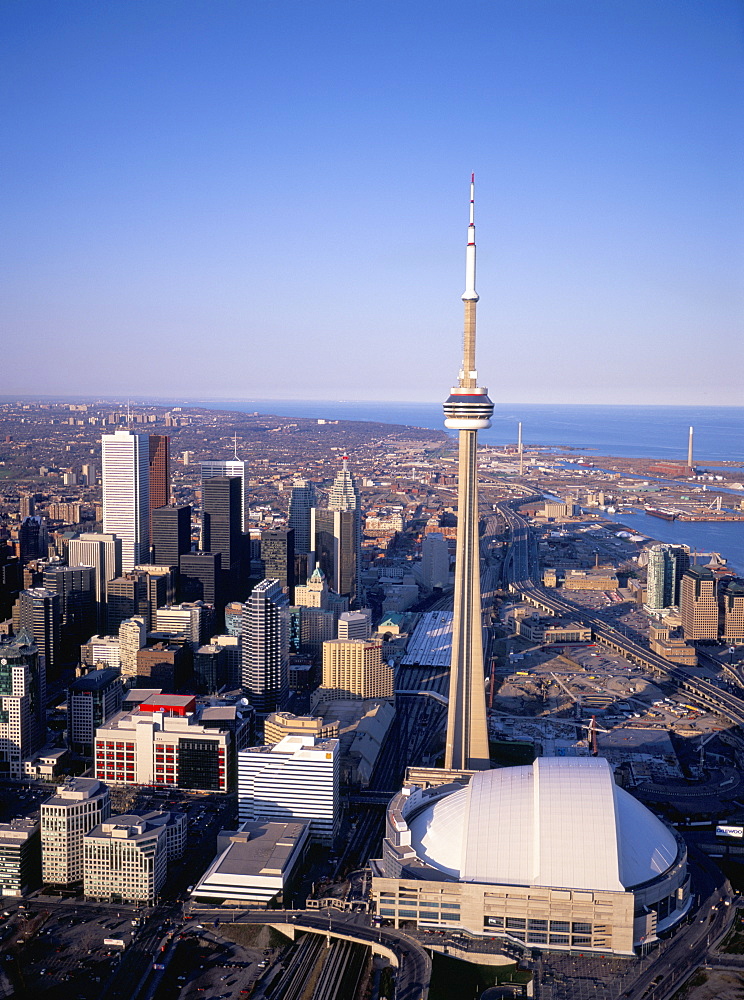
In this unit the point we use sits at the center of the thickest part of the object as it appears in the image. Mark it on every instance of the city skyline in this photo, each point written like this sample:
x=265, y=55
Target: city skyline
x=261, y=177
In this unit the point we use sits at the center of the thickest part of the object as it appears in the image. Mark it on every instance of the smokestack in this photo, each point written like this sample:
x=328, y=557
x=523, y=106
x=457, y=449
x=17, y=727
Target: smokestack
x=520, y=449
x=689, y=452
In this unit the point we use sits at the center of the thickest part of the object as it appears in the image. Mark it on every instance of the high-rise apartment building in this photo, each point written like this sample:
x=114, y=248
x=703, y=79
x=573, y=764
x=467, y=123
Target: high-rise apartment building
x=126, y=494
x=302, y=499
x=232, y=467
x=296, y=779
x=38, y=612
x=278, y=555
x=266, y=647
x=91, y=700
x=354, y=669
x=75, y=808
x=170, y=533
x=666, y=566
x=698, y=604
x=23, y=700
x=159, y=463
x=103, y=553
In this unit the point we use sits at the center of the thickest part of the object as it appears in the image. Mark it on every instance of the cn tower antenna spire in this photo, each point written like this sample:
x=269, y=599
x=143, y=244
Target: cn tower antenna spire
x=467, y=410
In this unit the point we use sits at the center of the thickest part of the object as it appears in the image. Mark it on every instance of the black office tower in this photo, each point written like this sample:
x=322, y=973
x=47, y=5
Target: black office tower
x=75, y=587
x=199, y=579
x=170, y=534
x=222, y=520
x=278, y=555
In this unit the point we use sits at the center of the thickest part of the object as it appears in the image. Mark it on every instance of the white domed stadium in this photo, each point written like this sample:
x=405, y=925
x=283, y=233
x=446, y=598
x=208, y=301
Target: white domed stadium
x=552, y=855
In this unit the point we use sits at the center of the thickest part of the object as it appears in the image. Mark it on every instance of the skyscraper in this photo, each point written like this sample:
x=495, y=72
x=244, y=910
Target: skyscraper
x=353, y=668
x=335, y=535
x=278, y=555
x=698, y=604
x=266, y=646
x=126, y=494
x=231, y=467
x=221, y=519
x=170, y=533
x=666, y=565
x=467, y=410
x=103, y=553
x=344, y=496
x=39, y=614
x=23, y=718
x=75, y=587
x=159, y=462
x=301, y=500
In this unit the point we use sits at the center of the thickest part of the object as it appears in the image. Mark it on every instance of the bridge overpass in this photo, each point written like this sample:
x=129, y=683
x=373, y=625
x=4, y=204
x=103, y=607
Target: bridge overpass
x=520, y=569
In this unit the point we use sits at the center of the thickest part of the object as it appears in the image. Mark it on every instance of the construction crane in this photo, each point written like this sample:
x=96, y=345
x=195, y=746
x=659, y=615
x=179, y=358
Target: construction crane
x=592, y=729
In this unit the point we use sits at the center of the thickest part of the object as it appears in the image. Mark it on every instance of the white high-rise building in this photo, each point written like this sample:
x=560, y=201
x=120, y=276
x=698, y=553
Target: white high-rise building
x=132, y=638
x=126, y=494
x=78, y=806
x=296, y=779
x=103, y=553
x=230, y=467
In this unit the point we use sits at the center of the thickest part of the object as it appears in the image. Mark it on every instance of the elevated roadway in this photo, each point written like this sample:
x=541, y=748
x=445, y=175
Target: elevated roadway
x=520, y=568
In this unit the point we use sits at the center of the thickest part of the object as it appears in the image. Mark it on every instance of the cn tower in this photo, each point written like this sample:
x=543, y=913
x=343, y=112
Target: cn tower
x=467, y=410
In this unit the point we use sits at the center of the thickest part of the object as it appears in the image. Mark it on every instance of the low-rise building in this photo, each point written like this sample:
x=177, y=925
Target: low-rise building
x=20, y=856
x=255, y=866
x=163, y=742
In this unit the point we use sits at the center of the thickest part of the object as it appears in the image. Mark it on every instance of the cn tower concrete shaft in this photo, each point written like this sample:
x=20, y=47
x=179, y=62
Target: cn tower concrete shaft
x=467, y=410
x=467, y=726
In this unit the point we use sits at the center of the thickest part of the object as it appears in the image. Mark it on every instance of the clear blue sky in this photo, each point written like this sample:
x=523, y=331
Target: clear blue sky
x=268, y=198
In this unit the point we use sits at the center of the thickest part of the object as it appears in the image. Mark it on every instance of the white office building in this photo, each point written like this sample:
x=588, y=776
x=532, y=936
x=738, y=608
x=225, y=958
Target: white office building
x=126, y=860
x=103, y=553
x=296, y=779
x=75, y=808
x=355, y=624
x=126, y=494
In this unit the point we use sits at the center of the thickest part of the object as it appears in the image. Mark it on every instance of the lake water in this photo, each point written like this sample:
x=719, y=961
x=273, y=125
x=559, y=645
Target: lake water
x=659, y=432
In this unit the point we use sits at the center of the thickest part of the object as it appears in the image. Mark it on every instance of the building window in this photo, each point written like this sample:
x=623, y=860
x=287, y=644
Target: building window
x=536, y=937
x=579, y=928
x=581, y=939
x=560, y=925
x=559, y=939
x=516, y=923
x=537, y=925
